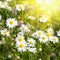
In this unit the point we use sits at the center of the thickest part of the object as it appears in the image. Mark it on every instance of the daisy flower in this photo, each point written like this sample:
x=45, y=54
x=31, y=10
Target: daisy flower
x=4, y=4
x=54, y=39
x=20, y=34
x=19, y=39
x=9, y=8
x=40, y=49
x=24, y=28
x=21, y=46
x=31, y=42
x=33, y=50
x=5, y=32
x=44, y=19
x=8, y=0
x=34, y=35
x=40, y=59
x=39, y=33
x=48, y=35
x=11, y=22
x=31, y=17
x=43, y=38
x=0, y=3
x=50, y=30
x=20, y=7
x=58, y=33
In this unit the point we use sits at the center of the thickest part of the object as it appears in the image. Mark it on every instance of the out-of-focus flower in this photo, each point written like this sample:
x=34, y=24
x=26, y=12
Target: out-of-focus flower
x=11, y=22
x=58, y=33
x=21, y=46
x=50, y=30
x=31, y=17
x=40, y=59
x=9, y=8
x=0, y=3
x=43, y=39
x=8, y=0
x=24, y=28
x=38, y=33
x=48, y=35
x=0, y=17
x=33, y=50
x=31, y=42
x=4, y=4
x=9, y=56
x=54, y=39
x=43, y=19
x=19, y=39
x=18, y=57
x=5, y=32
x=20, y=7
x=20, y=34
x=34, y=35
x=40, y=49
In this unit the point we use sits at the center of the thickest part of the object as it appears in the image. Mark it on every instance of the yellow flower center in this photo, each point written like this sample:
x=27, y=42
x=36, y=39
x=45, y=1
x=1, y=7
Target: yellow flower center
x=11, y=22
x=43, y=38
x=20, y=39
x=31, y=42
x=39, y=33
x=5, y=32
x=21, y=45
x=20, y=7
x=48, y=34
x=51, y=31
x=54, y=38
x=22, y=28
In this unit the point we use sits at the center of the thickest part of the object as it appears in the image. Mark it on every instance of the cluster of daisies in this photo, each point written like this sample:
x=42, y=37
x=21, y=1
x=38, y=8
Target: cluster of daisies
x=43, y=18
x=5, y=5
x=46, y=36
x=23, y=44
x=29, y=44
x=22, y=7
x=10, y=23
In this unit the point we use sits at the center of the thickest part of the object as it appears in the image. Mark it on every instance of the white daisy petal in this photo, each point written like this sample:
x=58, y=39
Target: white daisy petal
x=11, y=22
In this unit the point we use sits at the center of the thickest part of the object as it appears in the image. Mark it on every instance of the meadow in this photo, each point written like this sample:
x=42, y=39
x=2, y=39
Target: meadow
x=29, y=29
